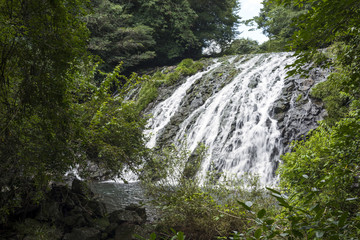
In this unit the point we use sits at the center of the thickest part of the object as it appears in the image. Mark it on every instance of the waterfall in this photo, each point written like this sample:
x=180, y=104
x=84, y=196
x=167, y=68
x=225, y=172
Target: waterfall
x=163, y=112
x=234, y=121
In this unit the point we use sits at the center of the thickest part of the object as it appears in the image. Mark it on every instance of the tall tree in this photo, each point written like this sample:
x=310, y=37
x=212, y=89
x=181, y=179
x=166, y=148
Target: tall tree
x=157, y=32
x=278, y=23
x=216, y=21
x=171, y=21
x=115, y=38
x=52, y=114
x=41, y=43
x=327, y=164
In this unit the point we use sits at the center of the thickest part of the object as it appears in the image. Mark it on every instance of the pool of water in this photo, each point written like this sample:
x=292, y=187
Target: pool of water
x=118, y=195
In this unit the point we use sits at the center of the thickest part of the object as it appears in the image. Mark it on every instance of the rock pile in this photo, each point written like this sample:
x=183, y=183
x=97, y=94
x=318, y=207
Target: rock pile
x=75, y=214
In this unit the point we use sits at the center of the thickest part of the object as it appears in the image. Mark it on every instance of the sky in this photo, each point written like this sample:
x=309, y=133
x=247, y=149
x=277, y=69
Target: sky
x=249, y=9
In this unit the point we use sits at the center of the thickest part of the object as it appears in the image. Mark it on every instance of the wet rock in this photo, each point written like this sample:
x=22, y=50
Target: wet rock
x=280, y=107
x=84, y=233
x=138, y=209
x=81, y=188
x=254, y=81
x=77, y=220
x=304, y=88
x=49, y=211
x=297, y=116
x=110, y=229
x=197, y=102
x=101, y=224
x=71, y=215
x=125, y=231
x=268, y=122
x=97, y=208
x=122, y=216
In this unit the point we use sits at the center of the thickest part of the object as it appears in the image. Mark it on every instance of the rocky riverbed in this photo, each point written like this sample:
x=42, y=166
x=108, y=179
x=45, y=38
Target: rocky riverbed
x=76, y=213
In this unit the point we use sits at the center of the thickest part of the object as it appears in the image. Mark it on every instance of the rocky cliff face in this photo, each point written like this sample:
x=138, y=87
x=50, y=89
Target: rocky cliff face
x=295, y=110
x=243, y=108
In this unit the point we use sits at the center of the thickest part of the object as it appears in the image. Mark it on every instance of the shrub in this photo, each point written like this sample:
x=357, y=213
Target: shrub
x=149, y=89
x=201, y=209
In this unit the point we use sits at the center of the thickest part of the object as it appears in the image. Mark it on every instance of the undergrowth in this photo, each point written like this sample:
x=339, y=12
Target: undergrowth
x=167, y=77
x=203, y=210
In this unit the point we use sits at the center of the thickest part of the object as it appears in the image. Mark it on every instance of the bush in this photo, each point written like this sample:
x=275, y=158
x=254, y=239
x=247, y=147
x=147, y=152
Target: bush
x=149, y=89
x=201, y=209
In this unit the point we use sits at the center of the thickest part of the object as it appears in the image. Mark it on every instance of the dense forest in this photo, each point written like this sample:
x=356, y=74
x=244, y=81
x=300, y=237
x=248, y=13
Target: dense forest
x=66, y=67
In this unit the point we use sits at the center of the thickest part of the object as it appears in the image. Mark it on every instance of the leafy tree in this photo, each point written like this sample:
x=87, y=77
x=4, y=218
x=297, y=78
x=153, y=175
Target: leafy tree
x=171, y=21
x=41, y=42
x=216, y=22
x=323, y=170
x=111, y=136
x=145, y=33
x=115, y=38
x=52, y=115
x=278, y=23
x=327, y=22
x=243, y=46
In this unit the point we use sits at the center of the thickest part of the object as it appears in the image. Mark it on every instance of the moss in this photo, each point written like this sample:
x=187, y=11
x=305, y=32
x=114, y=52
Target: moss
x=188, y=67
x=171, y=78
x=32, y=229
x=149, y=92
x=158, y=75
x=299, y=97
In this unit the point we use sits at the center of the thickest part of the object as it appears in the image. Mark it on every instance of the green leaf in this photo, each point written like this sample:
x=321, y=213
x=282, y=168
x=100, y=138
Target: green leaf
x=297, y=233
x=261, y=213
x=273, y=190
x=342, y=219
x=269, y=221
x=244, y=205
x=257, y=233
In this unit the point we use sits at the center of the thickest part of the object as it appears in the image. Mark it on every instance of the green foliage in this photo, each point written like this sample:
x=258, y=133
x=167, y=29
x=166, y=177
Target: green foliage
x=307, y=221
x=328, y=160
x=339, y=90
x=177, y=236
x=171, y=22
x=147, y=94
x=188, y=67
x=149, y=90
x=216, y=21
x=52, y=114
x=41, y=46
x=325, y=23
x=200, y=209
x=242, y=46
x=321, y=176
x=34, y=230
x=145, y=33
x=111, y=128
x=115, y=38
x=278, y=23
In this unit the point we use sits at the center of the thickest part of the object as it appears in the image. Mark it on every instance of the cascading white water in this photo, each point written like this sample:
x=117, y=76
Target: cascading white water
x=234, y=123
x=163, y=112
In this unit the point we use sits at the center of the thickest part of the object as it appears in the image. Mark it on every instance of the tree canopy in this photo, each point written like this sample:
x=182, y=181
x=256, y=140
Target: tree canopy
x=159, y=32
x=115, y=38
x=278, y=22
x=53, y=116
x=324, y=170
